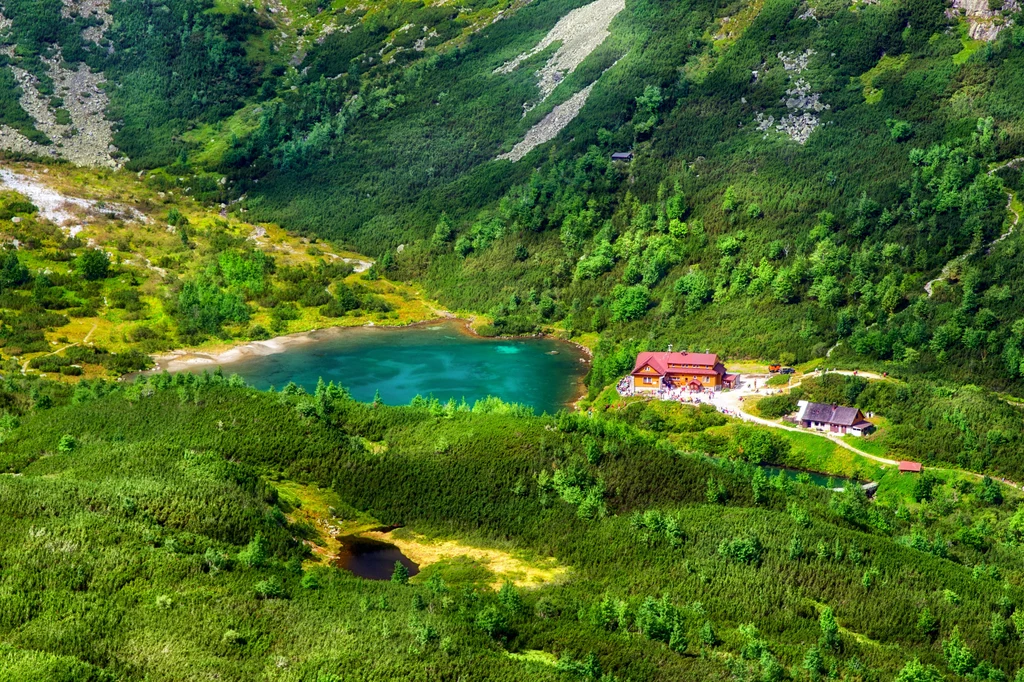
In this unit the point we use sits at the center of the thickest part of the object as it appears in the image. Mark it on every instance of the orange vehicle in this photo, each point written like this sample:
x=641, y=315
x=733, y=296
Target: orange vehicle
x=774, y=368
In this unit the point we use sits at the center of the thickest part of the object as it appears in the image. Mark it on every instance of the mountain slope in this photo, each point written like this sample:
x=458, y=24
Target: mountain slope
x=150, y=532
x=822, y=161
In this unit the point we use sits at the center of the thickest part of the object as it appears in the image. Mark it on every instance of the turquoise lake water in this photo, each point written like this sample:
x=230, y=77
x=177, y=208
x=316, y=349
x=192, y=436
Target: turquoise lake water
x=441, y=360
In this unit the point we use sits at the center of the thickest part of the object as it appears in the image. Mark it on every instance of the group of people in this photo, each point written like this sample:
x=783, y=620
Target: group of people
x=681, y=394
x=731, y=413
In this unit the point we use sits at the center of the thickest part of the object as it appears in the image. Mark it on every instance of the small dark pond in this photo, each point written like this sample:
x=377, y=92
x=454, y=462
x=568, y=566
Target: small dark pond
x=371, y=559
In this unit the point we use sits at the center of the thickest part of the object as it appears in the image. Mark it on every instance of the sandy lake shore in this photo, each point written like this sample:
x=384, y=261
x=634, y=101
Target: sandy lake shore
x=185, y=359
x=191, y=358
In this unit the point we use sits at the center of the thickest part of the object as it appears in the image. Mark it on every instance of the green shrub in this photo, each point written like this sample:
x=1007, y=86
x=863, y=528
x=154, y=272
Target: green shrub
x=630, y=303
x=492, y=621
x=271, y=588
x=400, y=576
x=232, y=638
x=745, y=550
x=777, y=406
x=93, y=264
x=216, y=560
x=255, y=554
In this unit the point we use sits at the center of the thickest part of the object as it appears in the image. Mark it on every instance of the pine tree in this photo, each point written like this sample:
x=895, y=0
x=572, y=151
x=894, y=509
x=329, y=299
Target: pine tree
x=998, y=632
x=814, y=664
x=959, y=656
x=708, y=636
x=729, y=201
x=927, y=624
x=492, y=621
x=510, y=598
x=759, y=485
x=338, y=392
x=771, y=669
x=677, y=640
x=436, y=584
x=829, y=629
x=401, y=574
x=1018, y=620
x=715, y=492
x=255, y=553
x=443, y=232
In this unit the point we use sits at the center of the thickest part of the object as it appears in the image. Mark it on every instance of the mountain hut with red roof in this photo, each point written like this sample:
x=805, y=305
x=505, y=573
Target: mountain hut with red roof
x=695, y=371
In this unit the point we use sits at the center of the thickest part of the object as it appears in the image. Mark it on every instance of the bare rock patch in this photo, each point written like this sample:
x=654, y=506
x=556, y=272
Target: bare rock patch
x=984, y=23
x=549, y=126
x=88, y=139
x=580, y=32
x=100, y=9
x=804, y=106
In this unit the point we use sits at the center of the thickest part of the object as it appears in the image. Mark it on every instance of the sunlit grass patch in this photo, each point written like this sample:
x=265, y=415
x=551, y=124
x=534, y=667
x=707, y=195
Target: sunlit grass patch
x=501, y=565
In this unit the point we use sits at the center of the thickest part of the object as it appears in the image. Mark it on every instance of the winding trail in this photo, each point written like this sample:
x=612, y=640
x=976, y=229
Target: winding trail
x=944, y=273
x=149, y=264
x=24, y=366
x=746, y=416
x=736, y=406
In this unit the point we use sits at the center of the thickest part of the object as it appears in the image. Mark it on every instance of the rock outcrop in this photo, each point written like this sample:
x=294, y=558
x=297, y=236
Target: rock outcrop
x=75, y=119
x=984, y=23
x=803, y=104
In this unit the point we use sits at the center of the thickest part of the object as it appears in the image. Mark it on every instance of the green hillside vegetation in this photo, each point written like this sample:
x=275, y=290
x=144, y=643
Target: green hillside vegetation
x=814, y=183
x=161, y=272
x=378, y=125
x=713, y=220
x=144, y=537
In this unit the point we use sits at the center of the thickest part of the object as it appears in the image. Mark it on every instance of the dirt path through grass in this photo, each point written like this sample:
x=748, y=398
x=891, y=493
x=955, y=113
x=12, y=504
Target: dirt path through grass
x=944, y=274
x=733, y=401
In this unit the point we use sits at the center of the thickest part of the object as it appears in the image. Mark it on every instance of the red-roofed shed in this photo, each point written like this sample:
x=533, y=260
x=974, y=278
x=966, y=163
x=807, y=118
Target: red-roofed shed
x=906, y=467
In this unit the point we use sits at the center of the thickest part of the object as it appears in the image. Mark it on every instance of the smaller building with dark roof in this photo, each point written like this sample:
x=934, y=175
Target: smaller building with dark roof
x=833, y=418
